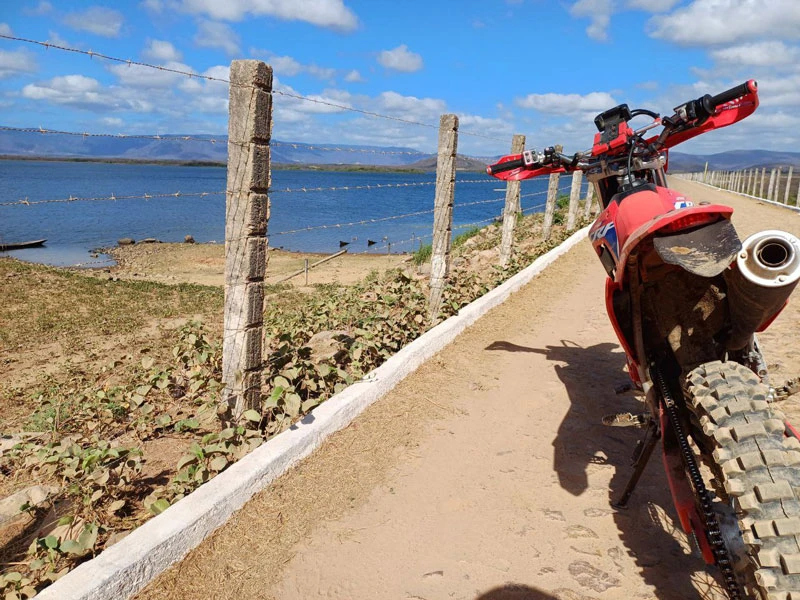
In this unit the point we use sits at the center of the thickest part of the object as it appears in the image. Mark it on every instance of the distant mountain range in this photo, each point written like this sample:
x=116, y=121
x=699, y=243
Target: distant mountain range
x=214, y=149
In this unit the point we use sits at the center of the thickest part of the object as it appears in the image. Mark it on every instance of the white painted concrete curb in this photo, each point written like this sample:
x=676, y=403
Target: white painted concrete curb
x=127, y=566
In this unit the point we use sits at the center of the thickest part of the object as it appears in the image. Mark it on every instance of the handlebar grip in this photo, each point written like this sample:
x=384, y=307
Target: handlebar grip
x=734, y=93
x=505, y=166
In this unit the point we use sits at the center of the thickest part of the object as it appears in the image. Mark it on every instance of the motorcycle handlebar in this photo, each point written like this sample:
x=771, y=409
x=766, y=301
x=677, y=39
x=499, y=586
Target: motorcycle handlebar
x=505, y=166
x=735, y=92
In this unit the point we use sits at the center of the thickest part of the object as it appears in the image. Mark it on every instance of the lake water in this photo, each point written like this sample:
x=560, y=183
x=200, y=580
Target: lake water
x=72, y=229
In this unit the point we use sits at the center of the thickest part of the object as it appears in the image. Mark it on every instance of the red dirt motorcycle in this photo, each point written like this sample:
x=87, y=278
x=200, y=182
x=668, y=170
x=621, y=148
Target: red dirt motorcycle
x=686, y=298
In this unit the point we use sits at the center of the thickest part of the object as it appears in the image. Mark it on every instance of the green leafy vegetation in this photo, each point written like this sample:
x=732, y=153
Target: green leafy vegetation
x=140, y=425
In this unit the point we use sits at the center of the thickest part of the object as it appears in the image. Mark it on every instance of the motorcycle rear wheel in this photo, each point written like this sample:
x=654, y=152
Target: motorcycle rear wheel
x=760, y=471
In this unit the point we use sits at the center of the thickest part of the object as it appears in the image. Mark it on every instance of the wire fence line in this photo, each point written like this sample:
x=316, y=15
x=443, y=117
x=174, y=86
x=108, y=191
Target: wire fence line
x=534, y=207
x=113, y=197
x=390, y=245
x=275, y=91
x=127, y=61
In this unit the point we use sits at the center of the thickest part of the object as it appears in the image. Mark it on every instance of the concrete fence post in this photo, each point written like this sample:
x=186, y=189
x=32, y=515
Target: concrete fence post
x=797, y=196
x=705, y=173
x=788, y=185
x=443, y=210
x=771, y=188
x=512, y=207
x=574, y=199
x=246, y=217
x=587, y=207
x=763, y=181
x=550, y=206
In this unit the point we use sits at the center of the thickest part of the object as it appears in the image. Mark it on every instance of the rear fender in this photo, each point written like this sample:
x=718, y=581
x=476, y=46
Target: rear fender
x=706, y=251
x=661, y=225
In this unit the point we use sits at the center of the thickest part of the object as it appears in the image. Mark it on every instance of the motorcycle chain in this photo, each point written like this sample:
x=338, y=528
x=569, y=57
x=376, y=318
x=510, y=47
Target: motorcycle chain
x=712, y=527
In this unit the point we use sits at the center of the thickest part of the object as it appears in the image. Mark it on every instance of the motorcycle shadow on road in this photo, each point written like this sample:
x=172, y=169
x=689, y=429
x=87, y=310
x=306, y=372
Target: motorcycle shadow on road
x=515, y=592
x=584, y=448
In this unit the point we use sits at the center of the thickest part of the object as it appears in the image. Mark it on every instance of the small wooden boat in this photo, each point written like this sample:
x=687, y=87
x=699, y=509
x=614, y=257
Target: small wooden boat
x=21, y=245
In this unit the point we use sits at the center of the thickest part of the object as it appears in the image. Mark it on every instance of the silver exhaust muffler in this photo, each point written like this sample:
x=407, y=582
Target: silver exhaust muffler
x=766, y=271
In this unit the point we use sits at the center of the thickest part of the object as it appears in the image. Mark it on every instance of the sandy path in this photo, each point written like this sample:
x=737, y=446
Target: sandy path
x=485, y=475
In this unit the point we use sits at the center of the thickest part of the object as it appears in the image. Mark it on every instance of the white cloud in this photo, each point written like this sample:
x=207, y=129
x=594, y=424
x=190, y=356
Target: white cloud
x=71, y=90
x=567, y=104
x=411, y=107
x=599, y=11
x=155, y=6
x=484, y=126
x=652, y=5
x=5, y=29
x=112, y=121
x=138, y=76
x=211, y=34
x=285, y=65
x=41, y=9
x=325, y=73
x=98, y=20
x=354, y=77
x=400, y=59
x=717, y=22
x=15, y=62
x=161, y=51
x=759, y=54
x=324, y=13
x=54, y=38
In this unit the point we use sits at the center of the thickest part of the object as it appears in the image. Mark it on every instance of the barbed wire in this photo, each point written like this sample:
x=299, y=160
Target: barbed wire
x=530, y=208
x=397, y=243
x=112, y=197
x=127, y=61
x=341, y=188
x=190, y=74
x=352, y=223
x=489, y=220
x=371, y=186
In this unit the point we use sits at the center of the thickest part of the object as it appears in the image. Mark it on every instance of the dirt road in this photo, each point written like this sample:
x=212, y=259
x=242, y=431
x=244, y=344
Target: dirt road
x=486, y=475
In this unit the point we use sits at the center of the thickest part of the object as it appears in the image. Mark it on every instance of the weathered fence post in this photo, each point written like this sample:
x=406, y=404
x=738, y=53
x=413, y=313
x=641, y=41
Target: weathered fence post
x=771, y=188
x=705, y=172
x=512, y=207
x=246, y=216
x=587, y=208
x=574, y=199
x=443, y=210
x=763, y=180
x=797, y=196
x=788, y=185
x=550, y=206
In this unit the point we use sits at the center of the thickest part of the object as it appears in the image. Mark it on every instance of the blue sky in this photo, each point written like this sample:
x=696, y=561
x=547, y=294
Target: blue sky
x=536, y=67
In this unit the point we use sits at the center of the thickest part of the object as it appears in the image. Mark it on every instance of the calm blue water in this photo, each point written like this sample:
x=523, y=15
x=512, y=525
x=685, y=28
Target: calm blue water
x=72, y=229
